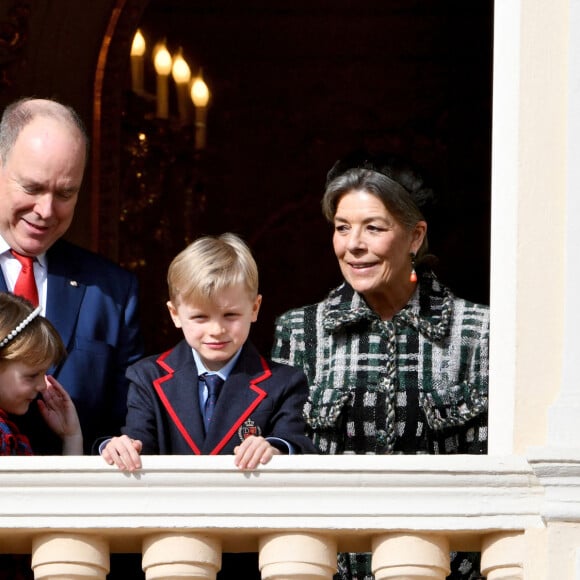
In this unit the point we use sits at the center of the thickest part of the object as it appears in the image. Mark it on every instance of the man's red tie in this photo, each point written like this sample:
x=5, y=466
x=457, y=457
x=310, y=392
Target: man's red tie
x=26, y=284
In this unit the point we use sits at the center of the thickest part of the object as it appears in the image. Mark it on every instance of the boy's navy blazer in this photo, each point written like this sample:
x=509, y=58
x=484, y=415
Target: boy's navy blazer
x=259, y=397
x=93, y=304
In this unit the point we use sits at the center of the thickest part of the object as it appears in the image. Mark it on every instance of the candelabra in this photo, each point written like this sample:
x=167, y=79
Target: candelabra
x=163, y=161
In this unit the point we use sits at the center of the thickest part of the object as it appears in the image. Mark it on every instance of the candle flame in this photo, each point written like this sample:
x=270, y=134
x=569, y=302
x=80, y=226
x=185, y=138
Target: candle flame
x=199, y=93
x=180, y=70
x=138, y=46
x=163, y=61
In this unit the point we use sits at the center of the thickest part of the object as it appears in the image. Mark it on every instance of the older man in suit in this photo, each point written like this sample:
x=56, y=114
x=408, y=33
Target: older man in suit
x=92, y=302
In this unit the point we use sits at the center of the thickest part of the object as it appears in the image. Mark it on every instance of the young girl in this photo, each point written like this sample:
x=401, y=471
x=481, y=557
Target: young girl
x=29, y=346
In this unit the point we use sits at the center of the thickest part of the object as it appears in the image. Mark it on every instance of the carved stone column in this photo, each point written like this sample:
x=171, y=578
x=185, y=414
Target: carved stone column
x=79, y=556
x=181, y=556
x=410, y=556
x=297, y=556
x=502, y=556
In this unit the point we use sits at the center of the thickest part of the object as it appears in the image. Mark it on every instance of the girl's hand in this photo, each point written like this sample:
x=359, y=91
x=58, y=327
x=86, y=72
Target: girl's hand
x=60, y=414
x=254, y=451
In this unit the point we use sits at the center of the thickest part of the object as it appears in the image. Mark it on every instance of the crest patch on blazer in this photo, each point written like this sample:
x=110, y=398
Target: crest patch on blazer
x=248, y=428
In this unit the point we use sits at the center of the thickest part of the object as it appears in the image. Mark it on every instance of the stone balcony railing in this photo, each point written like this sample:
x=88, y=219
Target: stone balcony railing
x=182, y=512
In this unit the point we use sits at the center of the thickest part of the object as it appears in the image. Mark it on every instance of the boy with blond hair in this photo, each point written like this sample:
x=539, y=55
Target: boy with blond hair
x=212, y=393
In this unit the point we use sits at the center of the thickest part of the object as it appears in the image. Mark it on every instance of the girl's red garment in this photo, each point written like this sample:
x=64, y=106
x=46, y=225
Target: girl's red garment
x=12, y=442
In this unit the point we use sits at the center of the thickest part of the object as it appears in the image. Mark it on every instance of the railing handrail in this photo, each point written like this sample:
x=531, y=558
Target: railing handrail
x=350, y=496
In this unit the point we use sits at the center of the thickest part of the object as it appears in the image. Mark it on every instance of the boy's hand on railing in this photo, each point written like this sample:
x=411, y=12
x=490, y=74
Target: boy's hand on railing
x=254, y=451
x=123, y=452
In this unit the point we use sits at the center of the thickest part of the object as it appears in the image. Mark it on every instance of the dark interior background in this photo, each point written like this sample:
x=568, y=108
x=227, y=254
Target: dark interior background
x=295, y=85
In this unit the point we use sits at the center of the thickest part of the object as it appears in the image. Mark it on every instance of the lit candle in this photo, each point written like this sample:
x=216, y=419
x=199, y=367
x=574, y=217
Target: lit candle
x=181, y=75
x=163, y=64
x=200, y=98
x=137, y=52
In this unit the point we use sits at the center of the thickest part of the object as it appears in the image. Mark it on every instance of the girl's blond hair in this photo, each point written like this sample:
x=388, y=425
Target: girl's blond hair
x=36, y=343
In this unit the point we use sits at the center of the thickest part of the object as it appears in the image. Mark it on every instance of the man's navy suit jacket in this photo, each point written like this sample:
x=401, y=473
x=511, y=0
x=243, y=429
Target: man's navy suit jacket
x=259, y=397
x=93, y=303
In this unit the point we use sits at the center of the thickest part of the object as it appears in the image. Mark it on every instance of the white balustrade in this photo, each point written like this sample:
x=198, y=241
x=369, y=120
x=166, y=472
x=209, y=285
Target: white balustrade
x=181, y=513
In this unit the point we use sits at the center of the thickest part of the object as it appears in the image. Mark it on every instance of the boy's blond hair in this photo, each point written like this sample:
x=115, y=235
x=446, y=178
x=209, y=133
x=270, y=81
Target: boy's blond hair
x=210, y=264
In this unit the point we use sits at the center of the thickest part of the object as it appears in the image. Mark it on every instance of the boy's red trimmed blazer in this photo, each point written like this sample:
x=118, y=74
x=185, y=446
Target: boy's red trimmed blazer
x=259, y=397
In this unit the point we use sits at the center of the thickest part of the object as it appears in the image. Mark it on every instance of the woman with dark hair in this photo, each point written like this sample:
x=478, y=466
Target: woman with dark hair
x=396, y=363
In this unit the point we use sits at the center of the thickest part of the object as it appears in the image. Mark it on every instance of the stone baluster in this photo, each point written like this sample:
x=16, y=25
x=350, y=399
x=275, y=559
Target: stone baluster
x=67, y=555
x=410, y=556
x=502, y=556
x=171, y=556
x=297, y=556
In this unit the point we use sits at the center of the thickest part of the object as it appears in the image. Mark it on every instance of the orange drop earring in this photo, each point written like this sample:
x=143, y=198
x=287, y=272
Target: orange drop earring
x=413, y=276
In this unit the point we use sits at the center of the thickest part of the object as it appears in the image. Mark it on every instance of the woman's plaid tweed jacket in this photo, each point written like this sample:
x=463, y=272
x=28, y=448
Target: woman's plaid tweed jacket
x=415, y=384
